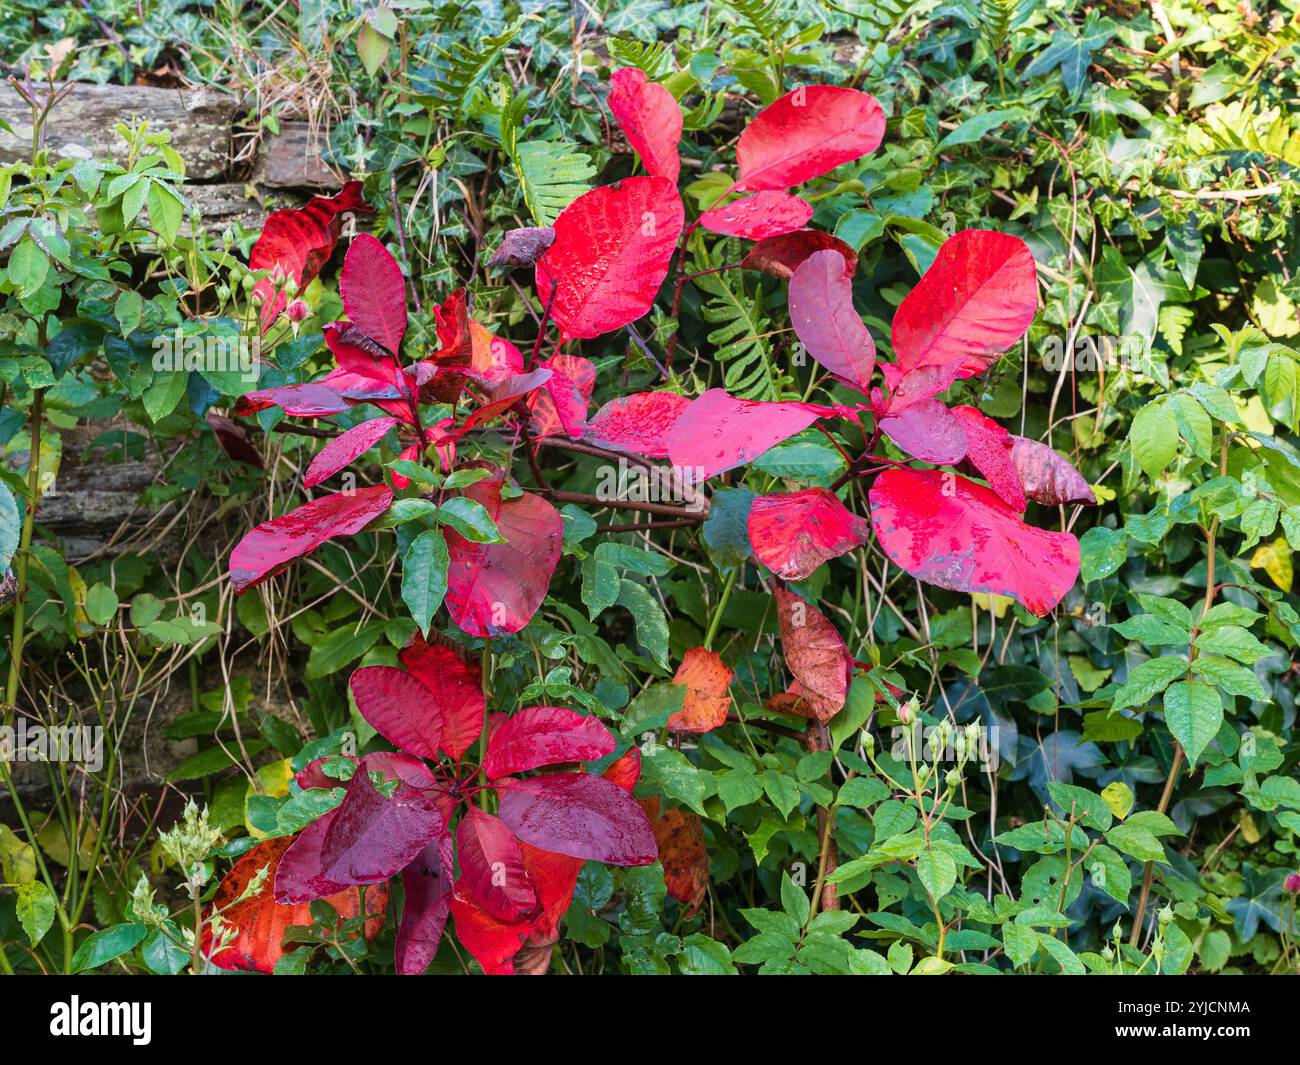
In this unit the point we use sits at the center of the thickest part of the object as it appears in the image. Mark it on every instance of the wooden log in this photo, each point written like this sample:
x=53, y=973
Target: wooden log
x=82, y=126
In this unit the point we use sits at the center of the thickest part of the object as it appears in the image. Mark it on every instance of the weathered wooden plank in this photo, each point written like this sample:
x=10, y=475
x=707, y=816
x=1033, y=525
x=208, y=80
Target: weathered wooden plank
x=292, y=160
x=81, y=127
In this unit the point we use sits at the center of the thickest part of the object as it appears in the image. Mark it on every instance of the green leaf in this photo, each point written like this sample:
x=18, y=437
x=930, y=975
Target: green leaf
x=28, y=267
x=105, y=945
x=794, y=900
x=424, y=576
x=937, y=872
x=10, y=526
x=1153, y=437
x=648, y=615
x=1020, y=943
x=166, y=210
x=471, y=519
x=1149, y=679
x=702, y=956
x=36, y=905
x=163, y=393
x=101, y=603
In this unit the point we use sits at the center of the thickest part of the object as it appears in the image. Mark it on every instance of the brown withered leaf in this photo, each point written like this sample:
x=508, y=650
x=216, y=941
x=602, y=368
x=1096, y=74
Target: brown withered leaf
x=682, y=852
x=522, y=247
x=817, y=658
x=706, y=679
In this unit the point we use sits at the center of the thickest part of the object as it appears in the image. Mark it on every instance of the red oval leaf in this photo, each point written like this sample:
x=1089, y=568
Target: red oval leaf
x=399, y=707
x=545, y=735
x=579, y=815
x=492, y=873
x=988, y=447
x=374, y=292
x=638, y=424
x=806, y=133
x=821, y=311
x=957, y=534
x=764, y=214
x=426, y=890
x=345, y=447
x=611, y=253
x=493, y=589
x=373, y=836
x=650, y=118
x=269, y=548
x=780, y=256
x=718, y=432
x=456, y=686
x=560, y=406
x=793, y=534
x=975, y=301
x=926, y=430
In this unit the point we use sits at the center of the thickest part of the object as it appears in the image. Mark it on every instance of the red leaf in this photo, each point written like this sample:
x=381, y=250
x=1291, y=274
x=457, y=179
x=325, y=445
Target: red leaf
x=927, y=430
x=988, y=447
x=717, y=432
x=956, y=534
x=780, y=256
x=580, y=815
x=311, y=400
x=373, y=836
x=355, y=353
x=707, y=680
x=975, y=301
x=764, y=214
x=1047, y=477
x=793, y=534
x=494, y=589
x=492, y=873
x=545, y=735
x=682, y=852
x=560, y=406
x=426, y=887
x=638, y=424
x=457, y=689
x=500, y=400
x=625, y=771
x=269, y=548
x=345, y=447
x=821, y=311
x=260, y=922
x=233, y=440
x=299, y=876
x=492, y=943
x=374, y=292
x=397, y=704
x=611, y=253
x=817, y=658
x=297, y=242
x=806, y=133
x=650, y=118
x=313, y=775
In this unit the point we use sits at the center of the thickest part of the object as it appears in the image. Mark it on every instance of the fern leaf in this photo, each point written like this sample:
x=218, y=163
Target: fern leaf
x=464, y=67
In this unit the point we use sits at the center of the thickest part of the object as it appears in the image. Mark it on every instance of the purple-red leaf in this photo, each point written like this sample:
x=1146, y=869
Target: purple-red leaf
x=579, y=815
x=345, y=447
x=718, y=432
x=988, y=447
x=926, y=430
x=807, y=133
x=544, y=735
x=957, y=534
x=426, y=887
x=781, y=256
x=374, y=292
x=373, y=836
x=650, y=118
x=1047, y=477
x=269, y=548
x=764, y=214
x=611, y=253
x=821, y=311
x=638, y=424
x=494, y=589
x=492, y=873
x=975, y=301
x=313, y=399
x=400, y=707
x=794, y=534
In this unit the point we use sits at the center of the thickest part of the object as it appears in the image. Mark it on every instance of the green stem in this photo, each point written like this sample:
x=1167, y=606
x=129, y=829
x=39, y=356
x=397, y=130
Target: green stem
x=716, y=620
x=24, y=551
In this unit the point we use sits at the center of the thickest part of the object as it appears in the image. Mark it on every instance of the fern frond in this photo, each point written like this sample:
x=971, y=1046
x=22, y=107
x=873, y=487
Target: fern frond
x=654, y=58
x=551, y=173
x=876, y=21
x=739, y=341
x=1174, y=320
x=463, y=67
x=766, y=19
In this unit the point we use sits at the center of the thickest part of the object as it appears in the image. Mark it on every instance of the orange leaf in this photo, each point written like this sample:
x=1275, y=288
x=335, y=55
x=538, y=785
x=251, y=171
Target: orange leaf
x=817, y=658
x=706, y=679
x=682, y=852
